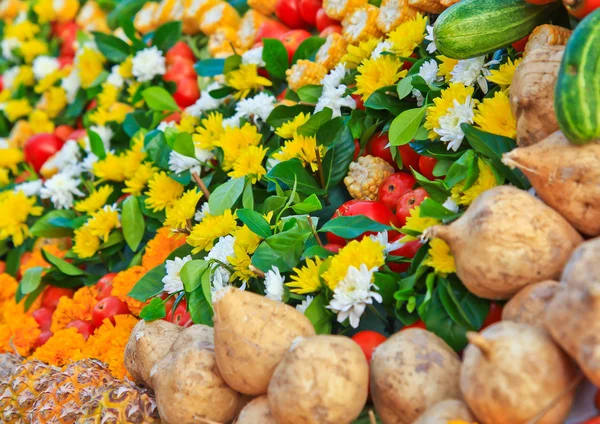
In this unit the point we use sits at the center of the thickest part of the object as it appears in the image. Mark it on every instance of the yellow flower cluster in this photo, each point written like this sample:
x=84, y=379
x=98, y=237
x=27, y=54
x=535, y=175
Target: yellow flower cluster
x=303, y=148
x=15, y=209
x=355, y=253
x=97, y=228
x=415, y=223
x=485, y=181
x=204, y=234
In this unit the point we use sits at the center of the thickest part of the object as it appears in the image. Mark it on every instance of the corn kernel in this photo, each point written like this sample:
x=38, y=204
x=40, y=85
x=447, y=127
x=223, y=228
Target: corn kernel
x=145, y=20
x=266, y=7
x=249, y=27
x=221, y=15
x=331, y=53
x=305, y=72
x=392, y=13
x=221, y=41
x=365, y=176
x=192, y=16
x=339, y=9
x=361, y=25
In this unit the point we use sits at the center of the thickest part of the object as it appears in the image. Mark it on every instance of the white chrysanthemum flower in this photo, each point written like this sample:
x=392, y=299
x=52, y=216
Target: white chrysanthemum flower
x=305, y=304
x=233, y=122
x=61, y=189
x=8, y=78
x=450, y=205
x=335, y=99
x=429, y=72
x=334, y=78
x=172, y=281
x=31, y=188
x=203, y=155
x=66, y=159
x=179, y=163
x=254, y=57
x=222, y=249
x=418, y=96
x=471, y=71
x=204, y=210
x=44, y=65
x=274, y=284
x=89, y=161
x=8, y=46
x=206, y=102
x=147, y=64
x=164, y=125
x=259, y=106
x=71, y=84
x=115, y=77
x=431, y=47
x=105, y=133
x=383, y=46
x=353, y=294
x=383, y=239
x=449, y=130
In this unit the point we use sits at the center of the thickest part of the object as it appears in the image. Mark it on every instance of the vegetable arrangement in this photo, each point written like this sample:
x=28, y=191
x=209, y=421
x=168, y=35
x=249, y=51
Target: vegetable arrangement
x=298, y=210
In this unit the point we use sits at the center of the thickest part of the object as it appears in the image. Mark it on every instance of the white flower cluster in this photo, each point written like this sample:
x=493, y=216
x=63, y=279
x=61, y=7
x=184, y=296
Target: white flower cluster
x=147, y=64
x=334, y=92
x=172, y=281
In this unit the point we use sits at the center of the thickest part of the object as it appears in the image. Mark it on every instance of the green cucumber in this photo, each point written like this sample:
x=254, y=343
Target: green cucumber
x=476, y=27
x=577, y=92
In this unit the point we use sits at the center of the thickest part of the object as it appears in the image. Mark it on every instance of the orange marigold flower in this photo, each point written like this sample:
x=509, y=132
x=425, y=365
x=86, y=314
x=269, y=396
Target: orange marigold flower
x=8, y=287
x=160, y=247
x=18, y=330
x=36, y=258
x=122, y=285
x=78, y=308
x=60, y=349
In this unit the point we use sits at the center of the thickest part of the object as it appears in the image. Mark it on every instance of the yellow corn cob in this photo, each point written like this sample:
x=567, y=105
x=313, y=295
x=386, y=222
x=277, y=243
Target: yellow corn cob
x=361, y=24
x=266, y=7
x=164, y=11
x=393, y=13
x=305, y=72
x=221, y=15
x=92, y=18
x=145, y=20
x=547, y=35
x=331, y=53
x=448, y=3
x=221, y=41
x=366, y=175
x=177, y=10
x=249, y=27
x=429, y=6
x=339, y=9
x=68, y=11
x=194, y=10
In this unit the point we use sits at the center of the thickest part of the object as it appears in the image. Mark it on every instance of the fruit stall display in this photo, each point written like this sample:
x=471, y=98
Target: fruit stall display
x=300, y=211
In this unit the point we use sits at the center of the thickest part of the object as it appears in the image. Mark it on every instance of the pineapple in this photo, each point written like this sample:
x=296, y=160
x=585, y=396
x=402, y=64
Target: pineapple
x=8, y=363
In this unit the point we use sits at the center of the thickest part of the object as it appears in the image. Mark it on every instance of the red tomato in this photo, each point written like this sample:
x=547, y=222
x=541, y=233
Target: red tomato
x=368, y=341
x=288, y=12
x=180, y=50
x=104, y=286
x=426, y=165
x=292, y=40
x=91, y=105
x=408, y=64
x=409, y=250
x=332, y=29
x=281, y=95
x=378, y=146
x=270, y=29
x=187, y=92
x=180, y=67
x=581, y=8
x=359, y=102
x=1, y=83
x=78, y=134
x=181, y=316
x=52, y=295
x=595, y=420
x=323, y=21
x=168, y=306
x=410, y=158
x=65, y=60
x=85, y=328
x=41, y=147
x=409, y=201
x=309, y=9
x=333, y=248
x=43, y=338
x=494, y=315
x=108, y=308
x=417, y=324
x=394, y=187
x=519, y=46
x=43, y=317
x=63, y=132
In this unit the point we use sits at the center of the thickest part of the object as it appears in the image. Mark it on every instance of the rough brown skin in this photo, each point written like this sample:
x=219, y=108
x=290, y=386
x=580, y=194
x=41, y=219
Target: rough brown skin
x=321, y=380
x=573, y=316
x=547, y=35
x=252, y=333
x=197, y=333
x=410, y=372
x=566, y=176
x=148, y=343
x=532, y=94
x=445, y=411
x=506, y=240
x=189, y=388
x=511, y=372
x=256, y=412
x=529, y=305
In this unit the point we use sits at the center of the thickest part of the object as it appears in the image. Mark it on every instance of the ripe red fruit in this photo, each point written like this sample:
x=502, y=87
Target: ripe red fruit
x=43, y=317
x=332, y=29
x=271, y=29
x=65, y=60
x=309, y=9
x=378, y=147
x=359, y=102
x=63, y=132
x=288, y=12
x=333, y=248
x=108, y=308
x=174, y=117
x=181, y=316
x=43, y=338
x=78, y=134
x=53, y=294
x=85, y=328
x=40, y=147
x=581, y=8
x=426, y=165
x=494, y=315
x=394, y=187
x=410, y=158
x=368, y=341
x=417, y=324
x=409, y=201
x=1, y=83
x=292, y=40
x=409, y=250
x=180, y=50
x=595, y=420
x=323, y=21
x=180, y=67
x=519, y=46
x=187, y=92
x=104, y=286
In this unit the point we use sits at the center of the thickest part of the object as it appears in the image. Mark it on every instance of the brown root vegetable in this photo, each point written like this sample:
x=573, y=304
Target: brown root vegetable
x=515, y=373
x=528, y=306
x=252, y=333
x=188, y=387
x=547, y=35
x=256, y=412
x=573, y=315
x=321, y=380
x=197, y=333
x=410, y=372
x=565, y=176
x=148, y=343
x=532, y=94
x=506, y=240
x=446, y=411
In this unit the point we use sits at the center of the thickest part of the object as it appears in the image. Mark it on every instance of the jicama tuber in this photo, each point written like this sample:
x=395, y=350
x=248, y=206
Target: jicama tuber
x=410, y=372
x=547, y=35
x=197, y=333
x=532, y=94
x=321, y=380
x=529, y=305
x=515, y=373
x=506, y=240
x=256, y=412
x=573, y=315
x=252, y=333
x=566, y=176
x=450, y=410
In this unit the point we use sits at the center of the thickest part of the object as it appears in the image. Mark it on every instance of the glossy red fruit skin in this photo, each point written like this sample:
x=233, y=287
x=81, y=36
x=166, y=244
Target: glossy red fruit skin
x=43, y=338
x=187, y=92
x=104, y=286
x=323, y=21
x=595, y=420
x=309, y=9
x=181, y=316
x=52, y=295
x=333, y=248
x=292, y=40
x=494, y=315
x=108, y=308
x=63, y=132
x=288, y=12
x=78, y=134
x=39, y=148
x=180, y=50
x=179, y=68
x=581, y=8
x=417, y=324
x=409, y=250
x=43, y=316
x=64, y=60
x=359, y=102
x=378, y=147
x=368, y=340
x=410, y=158
x=394, y=187
x=270, y=29
x=409, y=201
x=519, y=46
x=332, y=29
x=426, y=165
x=85, y=328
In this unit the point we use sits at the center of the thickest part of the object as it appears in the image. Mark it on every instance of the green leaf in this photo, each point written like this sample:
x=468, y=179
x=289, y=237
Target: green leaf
x=338, y=158
x=350, y=227
x=292, y=170
x=149, y=285
x=62, y=265
x=441, y=168
x=255, y=221
x=167, y=35
x=184, y=145
x=386, y=286
x=47, y=227
x=317, y=250
x=318, y=314
x=31, y=279
x=405, y=126
x=315, y=122
x=191, y=274
x=113, y=48
x=432, y=209
x=210, y=67
x=331, y=132
x=132, y=222
x=114, y=238
x=308, y=49
x=96, y=144
x=154, y=310
x=248, y=196
x=422, y=134
x=310, y=93
x=282, y=250
x=157, y=148
x=232, y=63
x=157, y=98
x=435, y=189
x=404, y=87
x=282, y=114
x=125, y=9
x=438, y=321
x=381, y=100
x=458, y=170
x=275, y=56
x=225, y=196
x=31, y=297
x=308, y=205
x=465, y=309
x=198, y=304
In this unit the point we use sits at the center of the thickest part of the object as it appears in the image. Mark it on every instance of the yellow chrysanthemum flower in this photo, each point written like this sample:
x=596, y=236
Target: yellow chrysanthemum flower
x=374, y=74
x=15, y=208
x=133, y=158
x=209, y=131
x=126, y=68
x=90, y=64
x=485, y=181
x=304, y=72
x=241, y=264
x=25, y=77
x=22, y=31
x=234, y=140
x=4, y=177
x=303, y=148
x=441, y=105
x=15, y=109
x=44, y=9
x=504, y=75
x=439, y=257
x=183, y=209
x=85, y=244
x=245, y=79
x=103, y=221
x=354, y=254
x=249, y=164
x=137, y=183
x=40, y=122
x=32, y=49
x=110, y=168
x=108, y=96
x=446, y=67
x=163, y=192
x=10, y=158
x=415, y=223
x=307, y=278
x=288, y=129
x=495, y=116
x=409, y=35
x=246, y=238
x=188, y=123
x=49, y=81
x=54, y=101
x=212, y=227
x=356, y=54
x=95, y=200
